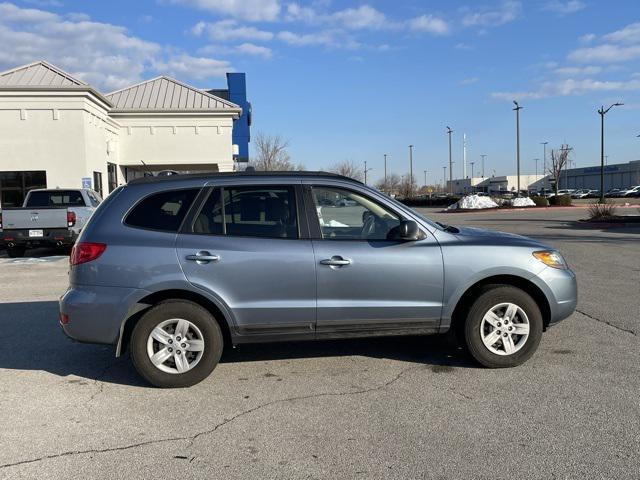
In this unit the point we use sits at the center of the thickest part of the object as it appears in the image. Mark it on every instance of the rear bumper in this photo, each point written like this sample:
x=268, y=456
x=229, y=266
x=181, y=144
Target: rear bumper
x=95, y=314
x=561, y=290
x=51, y=236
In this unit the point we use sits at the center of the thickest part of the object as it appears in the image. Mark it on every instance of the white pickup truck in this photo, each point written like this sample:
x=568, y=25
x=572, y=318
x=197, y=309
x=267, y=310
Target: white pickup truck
x=48, y=217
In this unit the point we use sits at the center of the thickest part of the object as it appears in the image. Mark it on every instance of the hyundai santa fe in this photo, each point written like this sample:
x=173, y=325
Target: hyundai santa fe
x=174, y=268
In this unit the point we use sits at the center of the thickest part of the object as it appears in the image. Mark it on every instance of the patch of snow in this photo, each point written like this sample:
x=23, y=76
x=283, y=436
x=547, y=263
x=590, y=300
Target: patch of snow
x=522, y=202
x=473, y=202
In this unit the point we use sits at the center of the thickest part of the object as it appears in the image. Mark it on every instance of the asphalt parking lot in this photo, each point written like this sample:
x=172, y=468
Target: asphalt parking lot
x=375, y=408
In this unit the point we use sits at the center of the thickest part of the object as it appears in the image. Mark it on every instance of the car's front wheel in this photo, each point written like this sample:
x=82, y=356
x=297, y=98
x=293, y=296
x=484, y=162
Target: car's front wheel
x=176, y=343
x=503, y=327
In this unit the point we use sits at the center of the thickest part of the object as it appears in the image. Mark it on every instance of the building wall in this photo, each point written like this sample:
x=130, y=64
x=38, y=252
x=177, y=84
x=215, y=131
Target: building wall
x=620, y=175
x=63, y=136
x=169, y=141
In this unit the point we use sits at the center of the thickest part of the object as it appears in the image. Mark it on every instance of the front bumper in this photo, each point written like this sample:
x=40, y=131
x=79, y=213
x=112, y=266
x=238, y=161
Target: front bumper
x=95, y=314
x=561, y=289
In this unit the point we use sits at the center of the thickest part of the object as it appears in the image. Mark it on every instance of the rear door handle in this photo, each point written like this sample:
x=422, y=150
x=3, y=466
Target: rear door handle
x=203, y=257
x=336, y=261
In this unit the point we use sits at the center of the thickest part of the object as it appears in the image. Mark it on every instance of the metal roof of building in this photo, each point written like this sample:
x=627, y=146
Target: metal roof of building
x=39, y=74
x=167, y=94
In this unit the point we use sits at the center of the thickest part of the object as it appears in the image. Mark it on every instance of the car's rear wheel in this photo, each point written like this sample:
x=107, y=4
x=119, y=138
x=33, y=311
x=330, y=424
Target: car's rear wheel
x=175, y=344
x=503, y=327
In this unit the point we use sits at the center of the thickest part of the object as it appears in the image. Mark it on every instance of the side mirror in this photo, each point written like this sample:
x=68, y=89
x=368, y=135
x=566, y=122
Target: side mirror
x=408, y=230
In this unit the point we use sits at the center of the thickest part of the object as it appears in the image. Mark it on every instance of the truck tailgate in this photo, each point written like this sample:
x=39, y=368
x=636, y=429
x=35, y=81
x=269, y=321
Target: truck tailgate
x=34, y=218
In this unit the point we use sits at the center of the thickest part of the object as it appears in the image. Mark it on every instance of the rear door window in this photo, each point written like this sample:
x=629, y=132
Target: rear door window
x=163, y=211
x=256, y=211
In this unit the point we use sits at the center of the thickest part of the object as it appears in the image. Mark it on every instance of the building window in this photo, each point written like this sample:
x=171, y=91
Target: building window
x=15, y=185
x=112, y=176
x=97, y=182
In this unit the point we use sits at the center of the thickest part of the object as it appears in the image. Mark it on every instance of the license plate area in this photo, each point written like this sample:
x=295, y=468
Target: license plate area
x=36, y=233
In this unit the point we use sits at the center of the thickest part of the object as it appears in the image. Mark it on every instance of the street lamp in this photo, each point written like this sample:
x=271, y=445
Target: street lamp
x=472, y=163
x=444, y=178
x=544, y=157
x=425, y=179
x=536, y=160
x=517, y=110
x=449, y=132
x=602, y=113
x=366, y=170
x=483, y=156
x=410, y=170
x=385, y=170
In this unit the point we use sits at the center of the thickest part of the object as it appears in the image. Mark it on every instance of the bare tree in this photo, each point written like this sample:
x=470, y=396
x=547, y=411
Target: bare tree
x=559, y=160
x=391, y=185
x=271, y=154
x=348, y=168
x=407, y=188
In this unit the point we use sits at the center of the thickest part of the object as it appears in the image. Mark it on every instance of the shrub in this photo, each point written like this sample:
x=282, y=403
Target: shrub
x=599, y=211
x=560, y=200
x=540, y=201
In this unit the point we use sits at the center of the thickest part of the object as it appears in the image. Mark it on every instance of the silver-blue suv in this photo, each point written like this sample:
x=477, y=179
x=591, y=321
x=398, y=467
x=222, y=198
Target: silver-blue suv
x=176, y=267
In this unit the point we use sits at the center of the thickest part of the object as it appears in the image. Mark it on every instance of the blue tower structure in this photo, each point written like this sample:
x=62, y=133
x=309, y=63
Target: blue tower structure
x=236, y=92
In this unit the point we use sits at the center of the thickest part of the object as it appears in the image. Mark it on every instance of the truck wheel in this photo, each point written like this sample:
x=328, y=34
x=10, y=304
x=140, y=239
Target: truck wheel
x=176, y=343
x=504, y=327
x=16, y=252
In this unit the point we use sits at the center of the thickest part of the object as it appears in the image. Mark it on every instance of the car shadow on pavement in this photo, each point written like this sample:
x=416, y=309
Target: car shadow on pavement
x=51, y=351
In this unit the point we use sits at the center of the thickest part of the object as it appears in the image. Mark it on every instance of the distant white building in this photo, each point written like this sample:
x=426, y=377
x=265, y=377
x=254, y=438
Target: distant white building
x=57, y=131
x=499, y=184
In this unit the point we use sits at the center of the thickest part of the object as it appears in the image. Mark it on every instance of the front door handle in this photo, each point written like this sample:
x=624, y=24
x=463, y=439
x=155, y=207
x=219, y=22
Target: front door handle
x=336, y=261
x=203, y=257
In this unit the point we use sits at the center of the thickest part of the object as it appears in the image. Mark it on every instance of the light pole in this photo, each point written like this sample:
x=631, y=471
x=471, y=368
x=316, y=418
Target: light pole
x=602, y=113
x=517, y=110
x=536, y=160
x=366, y=170
x=385, y=170
x=444, y=178
x=411, y=170
x=425, y=179
x=449, y=132
x=483, y=157
x=544, y=157
x=472, y=164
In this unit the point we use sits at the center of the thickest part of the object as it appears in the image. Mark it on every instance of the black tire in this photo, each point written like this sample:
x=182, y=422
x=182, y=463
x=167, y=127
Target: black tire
x=16, y=252
x=182, y=309
x=489, y=297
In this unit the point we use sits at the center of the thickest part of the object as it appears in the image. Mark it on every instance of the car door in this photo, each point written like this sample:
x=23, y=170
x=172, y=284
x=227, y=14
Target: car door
x=246, y=246
x=367, y=283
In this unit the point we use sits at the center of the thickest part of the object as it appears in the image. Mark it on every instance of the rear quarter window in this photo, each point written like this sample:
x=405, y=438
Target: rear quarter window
x=162, y=211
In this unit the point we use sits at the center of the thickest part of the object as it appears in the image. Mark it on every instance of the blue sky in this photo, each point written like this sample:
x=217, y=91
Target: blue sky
x=354, y=80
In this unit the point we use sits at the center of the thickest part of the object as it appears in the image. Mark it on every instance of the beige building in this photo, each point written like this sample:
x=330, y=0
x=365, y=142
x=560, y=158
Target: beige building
x=57, y=131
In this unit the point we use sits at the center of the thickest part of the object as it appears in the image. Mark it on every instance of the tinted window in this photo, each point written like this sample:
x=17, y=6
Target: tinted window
x=56, y=198
x=257, y=211
x=162, y=211
x=346, y=215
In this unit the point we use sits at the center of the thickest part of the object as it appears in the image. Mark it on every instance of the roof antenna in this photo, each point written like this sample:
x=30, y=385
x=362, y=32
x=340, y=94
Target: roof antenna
x=149, y=173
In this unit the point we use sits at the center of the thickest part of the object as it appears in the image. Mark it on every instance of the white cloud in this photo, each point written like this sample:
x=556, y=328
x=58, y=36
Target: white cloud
x=251, y=10
x=326, y=38
x=429, y=24
x=564, y=7
x=242, y=49
x=628, y=35
x=225, y=30
x=363, y=17
x=606, y=53
x=507, y=12
x=570, y=87
x=199, y=68
x=102, y=54
x=468, y=81
x=587, y=38
x=578, y=71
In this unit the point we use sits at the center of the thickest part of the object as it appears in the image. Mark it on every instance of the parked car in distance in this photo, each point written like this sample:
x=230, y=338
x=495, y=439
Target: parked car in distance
x=48, y=217
x=630, y=192
x=585, y=193
x=613, y=193
x=174, y=268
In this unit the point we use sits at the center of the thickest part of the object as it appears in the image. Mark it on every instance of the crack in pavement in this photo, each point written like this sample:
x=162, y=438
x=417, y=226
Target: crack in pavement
x=99, y=383
x=192, y=438
x=607, y=323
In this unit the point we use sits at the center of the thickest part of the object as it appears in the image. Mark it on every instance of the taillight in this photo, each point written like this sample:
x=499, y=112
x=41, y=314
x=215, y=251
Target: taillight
x=64, y=319
x=71, y=219
x=86, y=252
x=0, y=221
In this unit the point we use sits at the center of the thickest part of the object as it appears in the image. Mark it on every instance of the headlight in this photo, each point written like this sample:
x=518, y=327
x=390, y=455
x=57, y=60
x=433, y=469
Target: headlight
x=551, y=258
